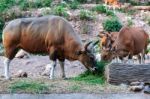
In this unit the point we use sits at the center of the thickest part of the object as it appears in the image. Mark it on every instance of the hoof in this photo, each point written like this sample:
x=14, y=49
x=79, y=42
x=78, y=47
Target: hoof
x=7, y=78
x=147, y=89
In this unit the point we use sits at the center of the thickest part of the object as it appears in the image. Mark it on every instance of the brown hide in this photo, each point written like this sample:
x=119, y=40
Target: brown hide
x=41, y=35
x=52, y=35
x=132, y=40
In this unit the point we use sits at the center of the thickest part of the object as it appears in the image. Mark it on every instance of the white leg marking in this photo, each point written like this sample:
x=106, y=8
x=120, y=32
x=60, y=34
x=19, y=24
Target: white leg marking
x=62, y=69
x=52, y=69
x=6, y=67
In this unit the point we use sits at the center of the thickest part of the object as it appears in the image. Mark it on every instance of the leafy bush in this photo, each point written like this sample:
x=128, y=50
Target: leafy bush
x=5, y=4
x=61, y=11
x=130, y=23
x=82, y=1
x=2, y=23
x=74, y=4
x=102, y=9
x=112, y=25
x=86, y=15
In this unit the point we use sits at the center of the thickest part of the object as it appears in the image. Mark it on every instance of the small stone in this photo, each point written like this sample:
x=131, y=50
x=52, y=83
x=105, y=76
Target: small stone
x=135, y=83
x=136, y=88
x=21, y=74
x=22, y=54
x=147, y=89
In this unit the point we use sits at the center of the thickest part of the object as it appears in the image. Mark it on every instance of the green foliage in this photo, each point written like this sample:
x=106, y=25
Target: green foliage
x=99, y=9
x=130, y=23
x=28, y=86
x=112, y=25
x=86, y=15
x=5, y=4
x=74, y=4
x=148, y=21
x=82, y=1
x=60, y=11
x=75, y=88
x=102, y=9
x=93, y=78
x=89, y=78
x=2, y=23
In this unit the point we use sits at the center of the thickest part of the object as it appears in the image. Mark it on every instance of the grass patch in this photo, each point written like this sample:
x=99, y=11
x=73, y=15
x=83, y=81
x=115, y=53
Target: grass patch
x=28, y=86
x=102, y=9
x=90, y=78
x=75, y=88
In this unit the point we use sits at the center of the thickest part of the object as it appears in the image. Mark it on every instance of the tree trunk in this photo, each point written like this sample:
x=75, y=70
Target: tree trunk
x=117, y=73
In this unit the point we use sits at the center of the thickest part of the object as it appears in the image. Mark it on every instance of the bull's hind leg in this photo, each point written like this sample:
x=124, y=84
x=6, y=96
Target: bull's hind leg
x=9, y=55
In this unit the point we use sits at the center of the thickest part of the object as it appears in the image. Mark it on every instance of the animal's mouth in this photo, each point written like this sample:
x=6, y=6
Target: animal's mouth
x=93, y=69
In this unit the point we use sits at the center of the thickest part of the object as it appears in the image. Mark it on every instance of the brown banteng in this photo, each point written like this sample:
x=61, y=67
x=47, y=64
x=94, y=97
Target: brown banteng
x=130, y=41
x=52, y=35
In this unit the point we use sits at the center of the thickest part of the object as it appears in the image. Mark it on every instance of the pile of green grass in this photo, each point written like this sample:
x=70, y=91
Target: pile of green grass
x=28, y=86
x=93, y=78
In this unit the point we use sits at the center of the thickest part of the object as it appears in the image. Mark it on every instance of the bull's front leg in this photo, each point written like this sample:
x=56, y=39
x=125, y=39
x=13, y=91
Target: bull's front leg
x=62, y=69
x=53, y=65
x=6, y=68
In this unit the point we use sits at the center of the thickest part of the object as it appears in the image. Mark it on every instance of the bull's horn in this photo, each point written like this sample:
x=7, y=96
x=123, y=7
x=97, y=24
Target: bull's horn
x=86, y=46
x=92, y=44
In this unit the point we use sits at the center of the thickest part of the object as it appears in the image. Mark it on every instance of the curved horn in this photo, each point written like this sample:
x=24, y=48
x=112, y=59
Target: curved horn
x=92, y=44
x=86, y=45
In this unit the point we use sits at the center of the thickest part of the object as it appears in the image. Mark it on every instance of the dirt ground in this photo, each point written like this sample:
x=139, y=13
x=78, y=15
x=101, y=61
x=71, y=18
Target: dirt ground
x=35, y=65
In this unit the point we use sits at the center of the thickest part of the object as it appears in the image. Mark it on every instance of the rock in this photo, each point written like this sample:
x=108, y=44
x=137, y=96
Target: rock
x=136, y=88
x=47, y=70
x=22, y=54
x=21, y=74
x=147, y=89
x=135, y=83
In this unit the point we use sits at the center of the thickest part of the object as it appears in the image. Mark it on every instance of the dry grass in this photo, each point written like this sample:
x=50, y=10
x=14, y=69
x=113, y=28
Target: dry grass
x=42, y=85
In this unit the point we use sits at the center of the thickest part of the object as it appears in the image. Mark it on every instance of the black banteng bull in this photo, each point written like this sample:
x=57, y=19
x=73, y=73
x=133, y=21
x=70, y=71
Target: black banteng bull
x=52, y=35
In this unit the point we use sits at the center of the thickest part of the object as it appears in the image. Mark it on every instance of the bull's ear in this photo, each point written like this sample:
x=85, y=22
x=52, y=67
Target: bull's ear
x=100, y=35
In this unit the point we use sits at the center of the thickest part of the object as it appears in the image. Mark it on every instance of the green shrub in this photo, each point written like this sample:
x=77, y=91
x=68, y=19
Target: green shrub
x=86, y=15
x=112, y=25
x=100, y=9
x=60, y=11
x=5, y=4
x=74, y=4
x=82, y=1
x=110, y=13
x=2, y=23
x=130, y=23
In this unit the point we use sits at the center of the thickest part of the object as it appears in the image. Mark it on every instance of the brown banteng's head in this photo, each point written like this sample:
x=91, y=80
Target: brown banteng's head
x=107, y=55
x=107, y=40
x=87, y=57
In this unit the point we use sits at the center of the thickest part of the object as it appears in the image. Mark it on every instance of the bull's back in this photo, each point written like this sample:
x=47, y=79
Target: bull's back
x=133, y=39
x=34, y=35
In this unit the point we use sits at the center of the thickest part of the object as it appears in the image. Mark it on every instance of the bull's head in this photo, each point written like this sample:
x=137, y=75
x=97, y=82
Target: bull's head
x=87, y=57
x=108, y=40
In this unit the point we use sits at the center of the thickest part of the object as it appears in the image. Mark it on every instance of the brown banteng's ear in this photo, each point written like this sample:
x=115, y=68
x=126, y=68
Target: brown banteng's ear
x=100, y=35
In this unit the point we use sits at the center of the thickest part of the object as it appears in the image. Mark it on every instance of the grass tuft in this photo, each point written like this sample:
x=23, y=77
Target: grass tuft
x=28, y=86
x=90, y=78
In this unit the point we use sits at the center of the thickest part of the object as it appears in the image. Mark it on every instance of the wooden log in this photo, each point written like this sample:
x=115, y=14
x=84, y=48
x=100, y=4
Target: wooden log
x=141, y=8
x=117, y=73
